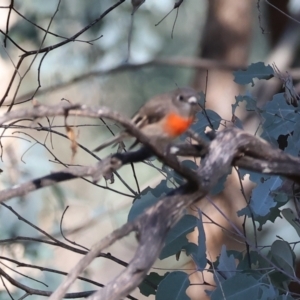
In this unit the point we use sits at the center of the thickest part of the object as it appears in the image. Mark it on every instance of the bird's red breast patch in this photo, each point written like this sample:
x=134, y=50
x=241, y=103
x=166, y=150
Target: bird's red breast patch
x=176, y=125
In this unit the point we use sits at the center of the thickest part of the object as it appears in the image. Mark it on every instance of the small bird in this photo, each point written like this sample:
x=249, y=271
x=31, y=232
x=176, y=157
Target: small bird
x=164, y=117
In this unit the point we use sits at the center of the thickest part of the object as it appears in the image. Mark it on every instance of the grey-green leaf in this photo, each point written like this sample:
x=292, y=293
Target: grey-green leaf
x=173, y=287
x=199, y=256
x=176, y=239
x=284, y=256
x=262, y=201
x=147, y=286
x=227, y=265
x=256, y=70
x=240, y=286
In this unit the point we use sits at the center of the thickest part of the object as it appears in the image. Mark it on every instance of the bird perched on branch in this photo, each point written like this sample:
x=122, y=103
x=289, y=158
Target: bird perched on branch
x=164, y=117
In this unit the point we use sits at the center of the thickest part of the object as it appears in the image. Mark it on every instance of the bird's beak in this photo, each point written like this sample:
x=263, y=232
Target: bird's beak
x=192, y=100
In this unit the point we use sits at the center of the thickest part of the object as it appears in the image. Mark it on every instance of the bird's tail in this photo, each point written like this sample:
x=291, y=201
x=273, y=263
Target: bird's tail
x=113, y=140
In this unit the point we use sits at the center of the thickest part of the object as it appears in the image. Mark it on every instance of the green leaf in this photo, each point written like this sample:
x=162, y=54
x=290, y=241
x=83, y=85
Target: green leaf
x=190, y=248
x=250, y=103
x=256, y=70
x=188, y=164
x=268, y=292
x=199, y=256
x=147, y=198
x=140, y=205
x=176, y=239
x=271, y=216
x=261, y=200
x=240, y=286
x=255, y=259
x=277, y=108
x=279, y=118
x=173, y=287
x=207, y=119
x=149, y=285
x=290, y=216
x=293, y=141
x=279, y=198
x=285, y=297
x=161, y=189
x=226, y=266
x=283, y=256
x=237, y=123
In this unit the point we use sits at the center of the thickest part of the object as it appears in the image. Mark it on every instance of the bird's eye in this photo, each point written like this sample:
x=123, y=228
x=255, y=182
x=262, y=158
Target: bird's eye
x=180, y=98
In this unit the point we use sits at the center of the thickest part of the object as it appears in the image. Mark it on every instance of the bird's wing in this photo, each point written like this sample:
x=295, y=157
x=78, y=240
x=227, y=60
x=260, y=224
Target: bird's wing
x=153, y=111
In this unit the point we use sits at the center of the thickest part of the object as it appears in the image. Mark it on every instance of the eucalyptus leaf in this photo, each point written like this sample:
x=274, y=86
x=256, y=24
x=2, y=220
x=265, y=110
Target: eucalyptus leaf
x=255, y=70
x=176, y=239
x=279, y=118
x=293, y=140
x=147, y=286
x=250, y=103
x=227, y=264
x=284, y=256
x=268, y=292
x=147, y=198
x=173, y=287
x=240, y=286
x=271, y=191
x=285, y=297
x=207, y=119
x=199, y=256
x=261, y=200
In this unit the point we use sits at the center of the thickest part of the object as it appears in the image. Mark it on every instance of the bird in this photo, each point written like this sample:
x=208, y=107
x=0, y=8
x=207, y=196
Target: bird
x=164, y=117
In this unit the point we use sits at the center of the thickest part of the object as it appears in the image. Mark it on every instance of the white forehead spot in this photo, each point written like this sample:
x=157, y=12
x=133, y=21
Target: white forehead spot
x=192, y=99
